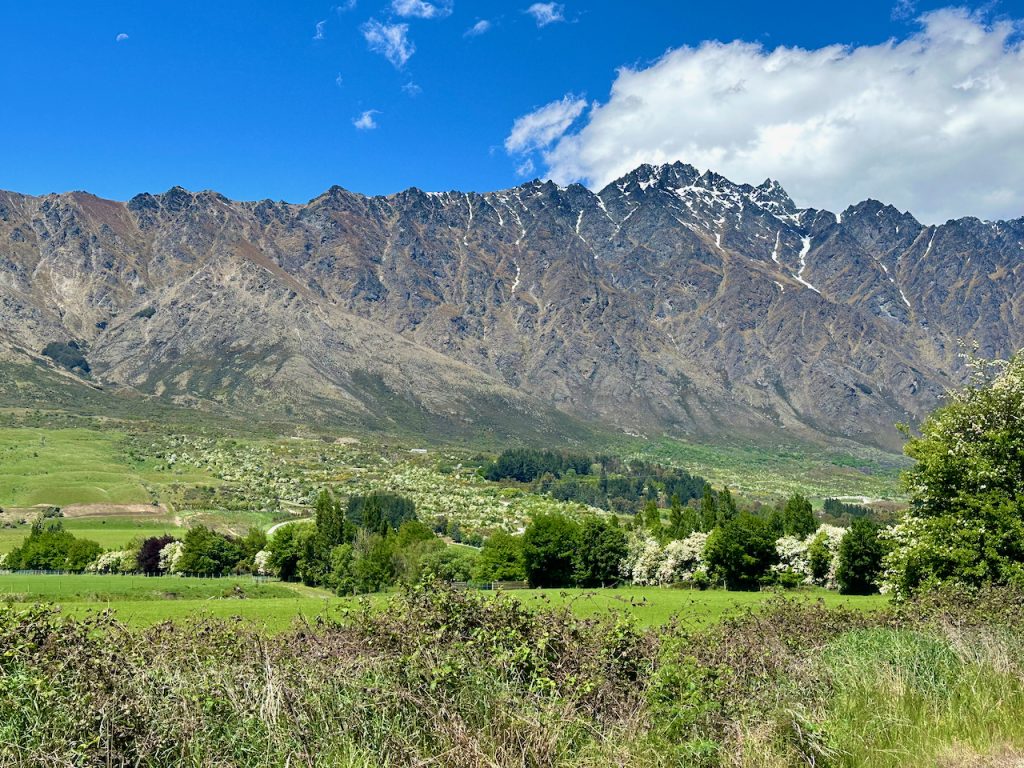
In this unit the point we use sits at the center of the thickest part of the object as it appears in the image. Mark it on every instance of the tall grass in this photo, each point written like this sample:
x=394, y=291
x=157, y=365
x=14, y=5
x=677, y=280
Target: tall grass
x=907, y=697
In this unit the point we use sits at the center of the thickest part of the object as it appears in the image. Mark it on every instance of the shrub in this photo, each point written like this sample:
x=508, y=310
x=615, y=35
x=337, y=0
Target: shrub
x=149, y=554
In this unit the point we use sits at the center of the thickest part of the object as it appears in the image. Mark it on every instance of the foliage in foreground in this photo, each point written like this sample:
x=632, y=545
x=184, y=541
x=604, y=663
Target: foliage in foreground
x=459, y=679
x=966, y=522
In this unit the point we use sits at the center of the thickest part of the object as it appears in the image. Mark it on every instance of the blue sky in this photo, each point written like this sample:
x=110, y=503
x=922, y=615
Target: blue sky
x=246, y=98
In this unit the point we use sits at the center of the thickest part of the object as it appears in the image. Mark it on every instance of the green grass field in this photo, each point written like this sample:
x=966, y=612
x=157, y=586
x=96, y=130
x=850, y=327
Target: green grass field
x=112, y=533
x=139, y=601
x=77, y=588
x=77, y=466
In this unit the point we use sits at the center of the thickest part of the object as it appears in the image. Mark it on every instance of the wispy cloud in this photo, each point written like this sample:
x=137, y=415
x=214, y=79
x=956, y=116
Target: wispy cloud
x=526, y=168
x=546, y=13
x=348, y=5
x=339, y=80
x=121, y=38
x=541, y=127
x=320, y=25
x=478, y=29
x=366, y=122
x=420, y=9
x=411, y=89
x=390, y=40
x=904, y=9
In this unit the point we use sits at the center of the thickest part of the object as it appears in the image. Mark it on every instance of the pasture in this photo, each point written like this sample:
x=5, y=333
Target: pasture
x=141, y=601
x=78, y=466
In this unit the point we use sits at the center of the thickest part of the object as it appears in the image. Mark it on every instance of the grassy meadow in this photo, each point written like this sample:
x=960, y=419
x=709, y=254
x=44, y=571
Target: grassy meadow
x=78, y=466
x=140, y=601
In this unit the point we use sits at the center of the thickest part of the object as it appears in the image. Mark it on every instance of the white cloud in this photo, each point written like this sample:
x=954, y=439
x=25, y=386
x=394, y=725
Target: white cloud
x=389, y=40
x=411, y=89
x=365, y=121
x=348, y=5
x=933, y=123
x=420, y=9
x=121, y=38
x=540, y=128
x=546, y=13
x=526, y=168
x=339, y=80
x=478, y=29
x=320, y=30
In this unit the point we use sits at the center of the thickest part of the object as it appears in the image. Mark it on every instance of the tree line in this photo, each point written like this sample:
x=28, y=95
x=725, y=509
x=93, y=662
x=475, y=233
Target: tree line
x=602, y=481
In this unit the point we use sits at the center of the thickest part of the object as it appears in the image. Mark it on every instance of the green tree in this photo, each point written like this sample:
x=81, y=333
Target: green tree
x=332, y=525
x=48, y=547
x=966, y=519
x=726, y=507
x=652, y=519
x=819, y=558
x=380, y=511
x=449, y=564
x=708, y=509
x=342, y=578
x=373, y=565
x=599, y=551
x=548, y=548
x=208, y=553
x=860, y=559
x=501, y=559
x=286, y=548
x=675, y=519
x=798, y=517
x=741, y=552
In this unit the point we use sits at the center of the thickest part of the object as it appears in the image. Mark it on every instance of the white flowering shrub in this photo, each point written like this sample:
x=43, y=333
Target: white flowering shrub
x=116, y=561
x=793, y=556
x=833, y=537
x=170, y=555
x=3, y=560
x=682, y=560
x=262, y=562
x=644, y=556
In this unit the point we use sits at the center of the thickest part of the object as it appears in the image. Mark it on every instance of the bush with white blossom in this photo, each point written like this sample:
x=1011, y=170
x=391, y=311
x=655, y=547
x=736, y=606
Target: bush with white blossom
x=682, y=559
x=116, y=561
x=170, y=555
x=262, y=563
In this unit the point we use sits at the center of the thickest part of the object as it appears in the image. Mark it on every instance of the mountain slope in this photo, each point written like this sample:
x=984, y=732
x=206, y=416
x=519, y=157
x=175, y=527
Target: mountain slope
x=670, y=302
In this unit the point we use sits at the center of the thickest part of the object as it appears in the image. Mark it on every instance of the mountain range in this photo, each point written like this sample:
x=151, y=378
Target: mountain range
x=671, y=302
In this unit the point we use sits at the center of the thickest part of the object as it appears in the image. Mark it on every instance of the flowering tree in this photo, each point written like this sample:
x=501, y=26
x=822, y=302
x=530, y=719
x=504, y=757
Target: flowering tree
x=118, y=561
x=169, y=557
x=644, y=556
x=815, y=558
x=966, y=520
x=262, y=563
x=682, y=559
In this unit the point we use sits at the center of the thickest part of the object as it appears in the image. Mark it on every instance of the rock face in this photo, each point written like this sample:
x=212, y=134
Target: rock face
x=670, y=302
